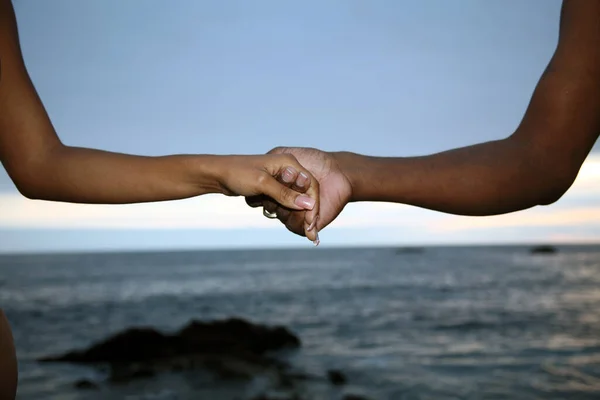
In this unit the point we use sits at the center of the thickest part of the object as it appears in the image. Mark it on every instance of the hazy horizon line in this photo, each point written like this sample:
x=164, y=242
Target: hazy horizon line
x=297, y=248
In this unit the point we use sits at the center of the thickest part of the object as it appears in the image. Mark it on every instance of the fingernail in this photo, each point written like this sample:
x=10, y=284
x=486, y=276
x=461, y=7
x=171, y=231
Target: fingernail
x=316, y=241
x=302, y=179
x=288, y=174
x=312, y=224
x=305, y=202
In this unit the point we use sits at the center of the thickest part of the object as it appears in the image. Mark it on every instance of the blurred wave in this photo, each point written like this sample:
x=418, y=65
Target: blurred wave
x=442, y=323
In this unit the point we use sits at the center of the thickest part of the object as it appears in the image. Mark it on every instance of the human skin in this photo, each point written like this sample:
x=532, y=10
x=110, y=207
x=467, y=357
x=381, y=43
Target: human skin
x=535, y=165
x=43, y=168
x=8, y=361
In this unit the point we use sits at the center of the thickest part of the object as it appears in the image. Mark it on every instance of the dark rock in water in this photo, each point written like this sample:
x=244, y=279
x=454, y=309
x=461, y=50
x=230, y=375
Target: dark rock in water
x=85, y=384
x=410, y=250
x=133, y=345
x=277, y=396
x=336, y=377
x=238, y=334
x=232, y=336
x=231, y=349
x=543, y=250
x=354, y=397
x=123, y=373
x=143, y=344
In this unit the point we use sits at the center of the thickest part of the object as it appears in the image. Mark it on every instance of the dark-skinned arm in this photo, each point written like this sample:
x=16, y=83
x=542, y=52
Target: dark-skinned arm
x=534, y=166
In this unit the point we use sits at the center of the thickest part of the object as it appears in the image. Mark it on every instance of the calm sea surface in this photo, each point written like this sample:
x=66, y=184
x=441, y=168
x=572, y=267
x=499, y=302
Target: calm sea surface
x=445, y=323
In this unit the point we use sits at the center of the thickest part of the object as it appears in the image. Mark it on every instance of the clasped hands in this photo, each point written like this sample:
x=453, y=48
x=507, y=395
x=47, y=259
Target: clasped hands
x=324, y=181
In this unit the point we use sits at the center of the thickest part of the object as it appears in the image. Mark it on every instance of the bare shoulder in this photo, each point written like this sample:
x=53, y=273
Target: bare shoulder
x=563, y=117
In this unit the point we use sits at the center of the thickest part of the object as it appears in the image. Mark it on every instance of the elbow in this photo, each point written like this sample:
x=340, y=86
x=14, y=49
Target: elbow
x=554, y=184
x=29, y=188
x=31, y=180
x=552, y=194
x=544, y=173
x=34, y=178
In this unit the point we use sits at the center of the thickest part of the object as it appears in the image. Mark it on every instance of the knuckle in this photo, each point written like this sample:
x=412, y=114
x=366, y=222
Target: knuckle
x=315, y=184
x=289, y=158
x=261, y=179
x=295, y=225
x=283, y=217
x=313, y=187
x=284, y=213
x=285, y=194
x=277, y=150
x=269, y=206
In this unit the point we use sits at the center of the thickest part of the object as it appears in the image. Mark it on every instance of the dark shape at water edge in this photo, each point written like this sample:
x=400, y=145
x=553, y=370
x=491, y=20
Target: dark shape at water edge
x=277, y=397
x=336, y=377
x=354, y=397
x=85, y=384
x=410, y=250
x=544, y=249
x=231, y=349
x=228, y=337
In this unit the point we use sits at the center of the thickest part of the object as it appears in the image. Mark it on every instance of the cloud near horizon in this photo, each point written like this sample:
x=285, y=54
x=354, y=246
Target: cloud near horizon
x=580, y=207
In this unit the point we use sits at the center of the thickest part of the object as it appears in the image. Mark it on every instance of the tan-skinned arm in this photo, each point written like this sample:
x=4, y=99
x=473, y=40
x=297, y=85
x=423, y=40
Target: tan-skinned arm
x=42, y=167
x=8, y=361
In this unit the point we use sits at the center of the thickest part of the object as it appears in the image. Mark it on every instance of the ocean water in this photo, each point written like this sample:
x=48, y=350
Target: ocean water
x=444, y=323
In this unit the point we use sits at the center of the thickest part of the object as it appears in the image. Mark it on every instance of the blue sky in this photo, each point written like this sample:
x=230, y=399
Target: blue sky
x=382, y=78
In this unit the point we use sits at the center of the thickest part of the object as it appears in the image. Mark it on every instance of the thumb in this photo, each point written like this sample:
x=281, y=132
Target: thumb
x=285, y=196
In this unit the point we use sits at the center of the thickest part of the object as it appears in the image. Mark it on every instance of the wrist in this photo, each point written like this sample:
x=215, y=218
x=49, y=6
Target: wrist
x=371, y=178
x=209, y=173
x=355, y=167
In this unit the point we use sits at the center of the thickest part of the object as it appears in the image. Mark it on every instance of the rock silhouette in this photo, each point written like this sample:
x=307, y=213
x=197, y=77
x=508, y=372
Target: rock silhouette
x=544, y=249
x=336, y=377
x=85, y=384
x=354, y=397
x=231, y=349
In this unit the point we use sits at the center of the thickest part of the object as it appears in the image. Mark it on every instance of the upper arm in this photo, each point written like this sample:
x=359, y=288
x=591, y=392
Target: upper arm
x=562, y=122
x=26, y=133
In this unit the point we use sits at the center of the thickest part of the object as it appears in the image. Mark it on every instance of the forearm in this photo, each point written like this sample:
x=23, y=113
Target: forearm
x=486, y=179
x=82, y=175
x=534, y=166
